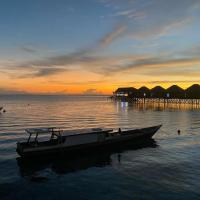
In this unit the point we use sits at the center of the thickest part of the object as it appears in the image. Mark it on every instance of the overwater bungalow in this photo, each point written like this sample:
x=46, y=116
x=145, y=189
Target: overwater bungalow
x=126, y=92
x=175, y=92
x=158, y=92
x=144, y=92
x=193, y=92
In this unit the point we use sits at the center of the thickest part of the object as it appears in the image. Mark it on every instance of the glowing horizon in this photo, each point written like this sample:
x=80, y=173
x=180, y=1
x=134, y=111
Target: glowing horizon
x=96, y=46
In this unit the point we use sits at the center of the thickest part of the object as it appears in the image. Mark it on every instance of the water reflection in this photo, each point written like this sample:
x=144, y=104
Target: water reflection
x=32, y=168
x=141, y=106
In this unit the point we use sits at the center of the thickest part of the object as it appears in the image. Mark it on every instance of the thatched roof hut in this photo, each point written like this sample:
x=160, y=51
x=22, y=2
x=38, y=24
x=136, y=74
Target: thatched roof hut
x=193, y=92
x=127, y=91
x=144, y=92
x=158, y=92
x=175, y=92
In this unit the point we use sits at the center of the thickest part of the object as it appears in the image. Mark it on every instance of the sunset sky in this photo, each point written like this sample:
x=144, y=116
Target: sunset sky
x=96, y=46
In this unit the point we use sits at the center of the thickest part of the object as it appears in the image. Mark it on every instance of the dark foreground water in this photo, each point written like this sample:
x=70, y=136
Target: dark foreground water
x=168, y=168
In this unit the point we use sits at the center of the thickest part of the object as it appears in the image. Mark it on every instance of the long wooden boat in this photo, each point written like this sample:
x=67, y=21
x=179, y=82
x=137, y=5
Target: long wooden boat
x=81, y=140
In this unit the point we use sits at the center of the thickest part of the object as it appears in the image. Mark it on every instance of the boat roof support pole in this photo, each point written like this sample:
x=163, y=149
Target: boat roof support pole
x=36, y=136
x=29, y=138
x=52, y=133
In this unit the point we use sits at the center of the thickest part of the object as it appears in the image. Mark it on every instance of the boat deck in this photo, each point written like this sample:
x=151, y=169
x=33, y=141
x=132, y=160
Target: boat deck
x=85, y=131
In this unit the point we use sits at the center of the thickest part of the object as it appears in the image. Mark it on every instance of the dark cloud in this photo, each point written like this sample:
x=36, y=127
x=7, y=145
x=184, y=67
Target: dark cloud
x=65, y=82
x=28, y=49
x=43, y=72
x=116, y=33
x=163, y=81
x=106, y=67
x=155, y=63
x=188, y=72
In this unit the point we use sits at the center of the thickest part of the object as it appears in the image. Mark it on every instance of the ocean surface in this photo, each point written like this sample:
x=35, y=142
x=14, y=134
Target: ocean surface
x=169, y=168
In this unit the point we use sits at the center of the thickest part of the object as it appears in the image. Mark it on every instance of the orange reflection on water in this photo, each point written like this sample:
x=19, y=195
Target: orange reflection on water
x=158, y=106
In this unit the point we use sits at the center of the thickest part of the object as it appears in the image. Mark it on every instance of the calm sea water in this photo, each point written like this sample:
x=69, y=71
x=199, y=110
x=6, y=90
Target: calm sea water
x=168, y=170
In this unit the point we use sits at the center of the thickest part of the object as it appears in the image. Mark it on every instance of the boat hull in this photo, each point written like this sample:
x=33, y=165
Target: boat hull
x=128, y=137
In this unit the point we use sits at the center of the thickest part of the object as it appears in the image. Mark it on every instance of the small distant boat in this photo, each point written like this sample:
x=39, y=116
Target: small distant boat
x=81, y=140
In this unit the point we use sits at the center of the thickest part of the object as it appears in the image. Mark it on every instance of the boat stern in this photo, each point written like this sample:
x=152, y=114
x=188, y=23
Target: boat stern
x=19, y=149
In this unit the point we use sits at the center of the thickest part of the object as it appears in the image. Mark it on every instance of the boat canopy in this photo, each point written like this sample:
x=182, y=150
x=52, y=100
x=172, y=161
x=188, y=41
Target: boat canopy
x=58, y=132
x=53, y=131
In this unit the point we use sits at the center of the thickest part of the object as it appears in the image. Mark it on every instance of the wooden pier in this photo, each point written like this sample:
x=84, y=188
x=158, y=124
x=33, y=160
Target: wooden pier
x=158, y=100
x=165, y=100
